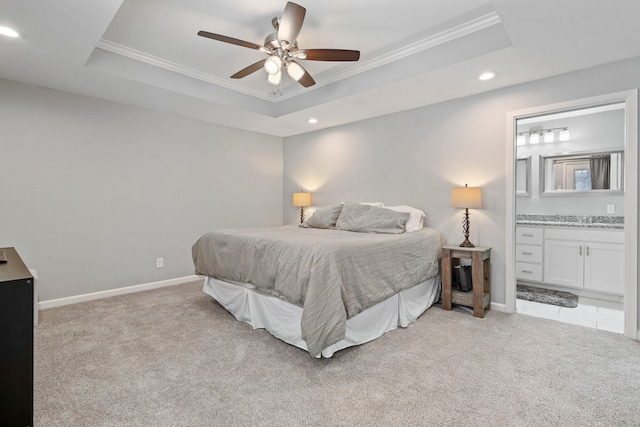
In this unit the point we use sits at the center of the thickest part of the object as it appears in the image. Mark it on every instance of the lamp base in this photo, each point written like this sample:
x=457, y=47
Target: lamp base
x=465, y=230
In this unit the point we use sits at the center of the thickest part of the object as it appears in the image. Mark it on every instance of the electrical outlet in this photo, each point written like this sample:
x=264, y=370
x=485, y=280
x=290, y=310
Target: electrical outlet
x=611, y=209
x=159, y=262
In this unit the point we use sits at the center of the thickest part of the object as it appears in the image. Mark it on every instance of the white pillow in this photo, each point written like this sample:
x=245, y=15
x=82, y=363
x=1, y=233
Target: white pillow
x=416, y=217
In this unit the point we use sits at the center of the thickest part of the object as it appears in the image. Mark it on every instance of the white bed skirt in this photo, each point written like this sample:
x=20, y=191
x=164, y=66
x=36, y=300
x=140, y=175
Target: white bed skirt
x=282, y=319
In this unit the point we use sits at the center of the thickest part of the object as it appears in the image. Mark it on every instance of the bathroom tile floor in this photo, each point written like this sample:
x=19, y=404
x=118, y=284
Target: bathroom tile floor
x=592, y=313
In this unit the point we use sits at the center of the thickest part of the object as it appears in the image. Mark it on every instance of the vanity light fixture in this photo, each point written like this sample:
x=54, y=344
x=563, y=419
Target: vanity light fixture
x=548, y=135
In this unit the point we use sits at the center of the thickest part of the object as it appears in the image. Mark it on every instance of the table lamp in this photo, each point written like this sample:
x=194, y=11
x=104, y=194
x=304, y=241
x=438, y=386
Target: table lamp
x=466, y=198
x=303, y=200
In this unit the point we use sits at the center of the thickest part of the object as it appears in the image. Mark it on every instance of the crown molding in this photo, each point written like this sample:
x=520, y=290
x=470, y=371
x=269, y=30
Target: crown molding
x=155, y=61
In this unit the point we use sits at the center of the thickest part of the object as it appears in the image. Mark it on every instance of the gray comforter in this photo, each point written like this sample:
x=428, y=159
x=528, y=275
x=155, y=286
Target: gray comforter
x=332, y=274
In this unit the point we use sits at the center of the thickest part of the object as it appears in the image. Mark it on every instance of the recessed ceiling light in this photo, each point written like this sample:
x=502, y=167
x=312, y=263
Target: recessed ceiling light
x=488, y=75
x=9, y=32
x=312, y=121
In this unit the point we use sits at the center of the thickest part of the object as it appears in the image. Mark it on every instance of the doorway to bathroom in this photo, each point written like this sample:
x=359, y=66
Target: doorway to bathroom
x=572, y=217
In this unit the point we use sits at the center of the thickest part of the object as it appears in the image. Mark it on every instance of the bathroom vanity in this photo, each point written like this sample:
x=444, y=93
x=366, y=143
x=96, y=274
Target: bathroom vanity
x=578, y=252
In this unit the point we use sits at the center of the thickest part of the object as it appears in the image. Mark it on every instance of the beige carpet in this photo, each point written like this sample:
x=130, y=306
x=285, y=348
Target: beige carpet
x=174, y=357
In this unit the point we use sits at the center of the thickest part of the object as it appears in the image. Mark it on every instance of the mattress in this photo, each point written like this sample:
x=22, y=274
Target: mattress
x=282, y=319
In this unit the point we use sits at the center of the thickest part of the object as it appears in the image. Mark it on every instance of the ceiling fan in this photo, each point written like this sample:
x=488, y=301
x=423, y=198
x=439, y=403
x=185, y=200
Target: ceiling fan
x=282, y=49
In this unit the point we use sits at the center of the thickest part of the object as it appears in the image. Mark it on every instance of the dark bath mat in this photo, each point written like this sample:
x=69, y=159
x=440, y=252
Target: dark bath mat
x=547, y=296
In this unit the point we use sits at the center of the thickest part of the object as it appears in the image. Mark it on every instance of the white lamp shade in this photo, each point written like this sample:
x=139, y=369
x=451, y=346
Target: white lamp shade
x=295, y=71
x=520, y=140
x=302, y=199
x=273, y=64
x=564, y=135
x=466, y=197
x=548, y=136
x=275, y=79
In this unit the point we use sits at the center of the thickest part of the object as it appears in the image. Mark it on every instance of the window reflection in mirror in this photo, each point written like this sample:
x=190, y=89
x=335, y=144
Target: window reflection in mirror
x=582, y=173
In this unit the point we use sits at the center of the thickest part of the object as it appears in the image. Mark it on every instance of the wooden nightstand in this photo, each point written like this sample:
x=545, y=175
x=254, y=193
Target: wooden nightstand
x=480, y=298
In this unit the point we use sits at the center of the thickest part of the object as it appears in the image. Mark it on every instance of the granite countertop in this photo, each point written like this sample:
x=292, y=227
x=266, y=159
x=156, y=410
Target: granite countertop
x=576, y=221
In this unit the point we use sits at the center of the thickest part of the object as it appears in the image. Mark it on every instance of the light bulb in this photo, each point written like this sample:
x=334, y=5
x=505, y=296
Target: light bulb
x=534, y=138
x=548, y=136
x=275, y=79
x=273, y=64
x=295, y=71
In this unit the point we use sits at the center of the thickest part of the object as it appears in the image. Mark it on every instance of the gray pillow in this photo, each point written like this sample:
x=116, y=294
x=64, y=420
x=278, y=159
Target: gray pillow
x=371, y=219
x=324, y=218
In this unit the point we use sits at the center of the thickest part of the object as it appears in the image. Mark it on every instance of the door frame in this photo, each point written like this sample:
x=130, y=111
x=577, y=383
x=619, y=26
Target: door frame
x=630, y=98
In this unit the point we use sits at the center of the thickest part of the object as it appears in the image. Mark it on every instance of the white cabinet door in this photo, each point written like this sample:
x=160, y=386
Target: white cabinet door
x=604, y=267
x=564, y=263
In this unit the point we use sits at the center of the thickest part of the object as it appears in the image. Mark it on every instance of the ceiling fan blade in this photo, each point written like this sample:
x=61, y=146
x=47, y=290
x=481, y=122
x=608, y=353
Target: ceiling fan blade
x=306, y=80
x=290, y=24
x=248, y=70
x=331, y=55
x=230, y=40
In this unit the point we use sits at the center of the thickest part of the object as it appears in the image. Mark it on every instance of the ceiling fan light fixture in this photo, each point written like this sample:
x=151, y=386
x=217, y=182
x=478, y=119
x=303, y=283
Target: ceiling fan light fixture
x=275, y=79
x=300, y=54
x=273, y=65
x=295, y=71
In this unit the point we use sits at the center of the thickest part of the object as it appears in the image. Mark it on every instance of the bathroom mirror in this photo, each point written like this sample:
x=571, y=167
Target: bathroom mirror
x=523, y=176
x=591, y=173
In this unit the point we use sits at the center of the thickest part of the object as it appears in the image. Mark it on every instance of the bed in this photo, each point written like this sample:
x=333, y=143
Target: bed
x=342, y=280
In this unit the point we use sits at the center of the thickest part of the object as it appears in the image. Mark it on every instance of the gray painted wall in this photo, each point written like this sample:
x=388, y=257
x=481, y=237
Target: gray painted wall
x=415, y=157
x=92, y=192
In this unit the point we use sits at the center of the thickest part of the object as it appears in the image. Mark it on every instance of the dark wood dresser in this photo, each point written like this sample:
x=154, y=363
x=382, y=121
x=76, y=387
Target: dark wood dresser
x=16, y=341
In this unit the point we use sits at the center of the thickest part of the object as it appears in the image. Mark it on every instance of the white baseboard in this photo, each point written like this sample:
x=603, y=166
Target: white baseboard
x=113, y=292
x=499, y=307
